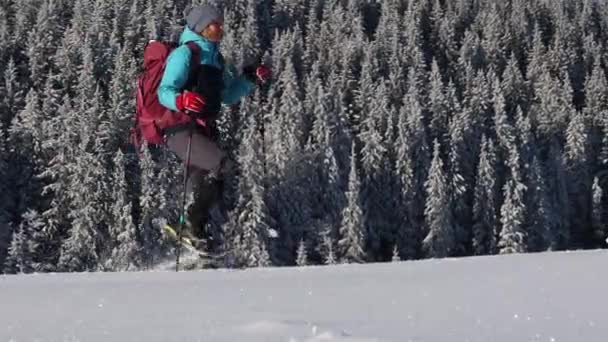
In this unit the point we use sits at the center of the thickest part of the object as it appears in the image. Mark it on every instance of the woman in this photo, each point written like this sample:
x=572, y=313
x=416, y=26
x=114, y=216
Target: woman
x=196, y=96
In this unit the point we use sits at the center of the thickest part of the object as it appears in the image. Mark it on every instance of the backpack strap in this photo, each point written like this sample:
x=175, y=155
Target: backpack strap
x=195, y=61
x=196, y=56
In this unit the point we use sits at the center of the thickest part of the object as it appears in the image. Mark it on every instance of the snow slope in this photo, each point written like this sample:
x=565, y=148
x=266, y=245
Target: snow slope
x=534, y=297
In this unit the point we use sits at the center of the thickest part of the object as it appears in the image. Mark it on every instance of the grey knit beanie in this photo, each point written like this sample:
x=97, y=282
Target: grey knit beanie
x=200, y=17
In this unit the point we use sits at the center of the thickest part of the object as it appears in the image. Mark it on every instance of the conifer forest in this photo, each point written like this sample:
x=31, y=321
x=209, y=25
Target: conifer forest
x=391, y=130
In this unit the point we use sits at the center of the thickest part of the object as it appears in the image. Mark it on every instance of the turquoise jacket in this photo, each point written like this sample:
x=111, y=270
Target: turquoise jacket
x=177, y=71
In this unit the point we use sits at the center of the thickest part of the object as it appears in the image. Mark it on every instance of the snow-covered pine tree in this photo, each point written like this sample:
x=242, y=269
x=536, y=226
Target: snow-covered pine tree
x=318, y=107
x=42, y=40
x=460, y=155
x=89, y=102
x=83, y=249
x=453, y=104
x=102, y=136
x=366, y=87
x=61, y=144
x=536, y=200
x=514, y=87
x=250, y=221
x=329, y=250
x=443, y=37
x=339, y=105
x=539, y=213
x=281, y=136
x=161, y=17
x=23, y=19
x=135, y=30
x=344, y=27
x=39, y=250
x=168, y=187
x=520, y=27
x=287, y=13
x=596, y=109
x=409, y=232
x=465, y=129
x=513, y=236
x=376, y=175
x=396, y=70
x=121, y=104
x=51, y=97
x=5, y=33
x=68, y=57
x=302, y=257
x=560, y=54
x=495, y=38
x=567, y=61
x=12, y=93
x=66, y=63
x=590, y=18
x=552, y=105
x=414, y=26
x=25, y=138
x=312, y=40
x=484, y=208
x=385, y=17
x=396, y=257
x=287, y=189
x=438, y=104
x=119, y=23
x=525, y=139
x=441, y=239
x=290, y=110
x=288, y=46
x=253, y=250
x=591, y=54
x=331, y=198
x=414, y=135
x=470, y=53
x=557, y=184
x=5, y=228
x=247, y=37
x=326, y=174
x=149, y=227
x=352, y=232
x=598, y=212
x=528, y=148
x=505, y=133
x=125, y=246
x=392, y=204
x=20, y=256
x=579, y=181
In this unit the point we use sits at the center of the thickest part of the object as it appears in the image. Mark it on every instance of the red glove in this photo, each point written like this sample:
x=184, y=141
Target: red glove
x=263, y=73
x=190, y=102
x=257, y=74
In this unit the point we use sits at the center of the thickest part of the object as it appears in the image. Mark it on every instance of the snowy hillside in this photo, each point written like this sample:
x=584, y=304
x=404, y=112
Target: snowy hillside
x=536, y=297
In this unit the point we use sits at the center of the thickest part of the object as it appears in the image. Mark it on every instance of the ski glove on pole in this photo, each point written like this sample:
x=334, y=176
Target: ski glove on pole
x=257, y=74
x=263, y=73
x=190, y=102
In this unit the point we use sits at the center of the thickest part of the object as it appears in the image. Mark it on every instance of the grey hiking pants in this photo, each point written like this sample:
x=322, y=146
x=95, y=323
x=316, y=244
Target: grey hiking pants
x=205, y=157
x=207, y=165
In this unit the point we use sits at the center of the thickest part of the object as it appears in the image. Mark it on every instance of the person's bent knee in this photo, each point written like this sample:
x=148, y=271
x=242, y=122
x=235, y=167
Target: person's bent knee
x=226, y=164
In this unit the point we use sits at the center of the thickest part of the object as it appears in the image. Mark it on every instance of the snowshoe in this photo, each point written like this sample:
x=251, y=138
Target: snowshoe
x=188, y=241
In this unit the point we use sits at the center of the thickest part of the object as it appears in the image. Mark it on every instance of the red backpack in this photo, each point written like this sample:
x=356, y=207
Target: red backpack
x=151, y=116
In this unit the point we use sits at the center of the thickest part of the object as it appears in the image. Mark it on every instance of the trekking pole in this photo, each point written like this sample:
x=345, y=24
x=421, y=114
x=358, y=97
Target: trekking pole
x=182, y=216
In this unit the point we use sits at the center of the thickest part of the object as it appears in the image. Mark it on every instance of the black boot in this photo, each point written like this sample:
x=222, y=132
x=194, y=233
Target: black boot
x=207, y=193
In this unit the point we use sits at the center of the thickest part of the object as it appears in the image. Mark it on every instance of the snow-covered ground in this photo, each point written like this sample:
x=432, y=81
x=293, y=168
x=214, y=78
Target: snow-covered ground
x=541, y=297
